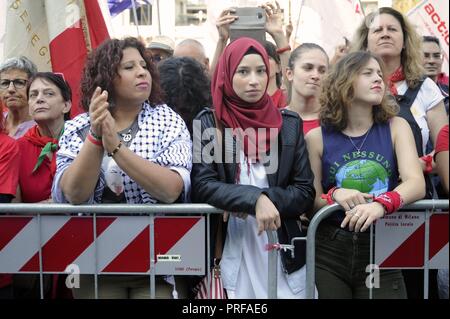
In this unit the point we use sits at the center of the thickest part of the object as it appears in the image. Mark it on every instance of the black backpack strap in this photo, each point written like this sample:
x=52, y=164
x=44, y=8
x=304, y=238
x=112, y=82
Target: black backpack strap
x=405, y=102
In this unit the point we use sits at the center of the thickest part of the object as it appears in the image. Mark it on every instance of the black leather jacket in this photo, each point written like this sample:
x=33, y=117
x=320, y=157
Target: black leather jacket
x=290, y=187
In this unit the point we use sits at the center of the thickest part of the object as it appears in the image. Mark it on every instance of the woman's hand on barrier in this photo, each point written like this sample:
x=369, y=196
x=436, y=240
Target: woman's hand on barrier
x=362, y=216
x=349, y=198
x=98, y=109
x=267, y=215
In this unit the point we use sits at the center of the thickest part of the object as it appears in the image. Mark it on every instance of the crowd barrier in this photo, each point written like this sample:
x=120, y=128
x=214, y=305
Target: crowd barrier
x=425, y=207
x=138, y=214
x=38, y=221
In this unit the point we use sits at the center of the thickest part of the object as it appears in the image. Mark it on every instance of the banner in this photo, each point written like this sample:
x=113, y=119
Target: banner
x=431, y=18
x=56, y=35
x=327, y=22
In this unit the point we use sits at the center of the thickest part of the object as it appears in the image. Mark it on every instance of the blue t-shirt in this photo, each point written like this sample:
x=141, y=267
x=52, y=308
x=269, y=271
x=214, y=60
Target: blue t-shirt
x=372, y=169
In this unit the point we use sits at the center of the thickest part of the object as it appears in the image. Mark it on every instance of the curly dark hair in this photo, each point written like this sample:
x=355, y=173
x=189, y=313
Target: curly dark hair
x=186, y=86
x=338, y=93
x=102, y=67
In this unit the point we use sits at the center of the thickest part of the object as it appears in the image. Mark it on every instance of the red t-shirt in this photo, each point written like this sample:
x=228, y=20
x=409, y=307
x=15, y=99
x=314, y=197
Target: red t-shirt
x=35, y=186
x=442, y=140
x=9, y=165
x=279, y=99
x=9, y=177
x=308, y=125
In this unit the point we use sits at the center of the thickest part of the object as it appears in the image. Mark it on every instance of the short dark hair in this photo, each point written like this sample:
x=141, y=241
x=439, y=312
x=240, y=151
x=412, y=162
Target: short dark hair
x=186, y=86
x=58, y=80
x=102, y=65
x=431, y=38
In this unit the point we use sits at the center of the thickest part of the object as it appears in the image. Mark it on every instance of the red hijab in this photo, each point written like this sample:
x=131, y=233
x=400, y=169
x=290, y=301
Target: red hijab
x=234, y=112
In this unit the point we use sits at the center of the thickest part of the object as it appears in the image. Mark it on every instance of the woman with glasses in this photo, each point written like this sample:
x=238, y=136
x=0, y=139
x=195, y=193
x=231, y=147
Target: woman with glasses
x=14, y=76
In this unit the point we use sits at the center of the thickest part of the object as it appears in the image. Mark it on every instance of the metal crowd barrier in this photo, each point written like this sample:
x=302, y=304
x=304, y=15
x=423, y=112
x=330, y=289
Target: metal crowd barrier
x=428, y=205
x=125, y=209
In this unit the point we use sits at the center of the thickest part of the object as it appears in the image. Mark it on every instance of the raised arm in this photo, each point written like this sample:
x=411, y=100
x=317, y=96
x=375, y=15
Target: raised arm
x=223, y=27
x=80, y=178
x=274, y=26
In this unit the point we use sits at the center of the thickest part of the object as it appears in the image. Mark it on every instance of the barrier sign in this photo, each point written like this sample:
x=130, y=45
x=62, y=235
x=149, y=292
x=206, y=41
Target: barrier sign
x=400, y=241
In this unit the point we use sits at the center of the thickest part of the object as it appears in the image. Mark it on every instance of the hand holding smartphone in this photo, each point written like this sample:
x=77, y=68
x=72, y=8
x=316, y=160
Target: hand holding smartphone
x=251, y=23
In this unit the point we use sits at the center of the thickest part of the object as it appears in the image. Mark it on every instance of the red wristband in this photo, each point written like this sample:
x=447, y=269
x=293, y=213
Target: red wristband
x=329, y=196
x=428, y=159
x=282, y=50
x=392, y=201
x=93, y=140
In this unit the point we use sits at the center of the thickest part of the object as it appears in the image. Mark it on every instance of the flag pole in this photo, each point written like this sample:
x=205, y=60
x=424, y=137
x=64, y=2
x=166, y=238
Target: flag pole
x=85, y=26
x=135, y=17
x=159, y=16
x=298, y=20
x=290, y=11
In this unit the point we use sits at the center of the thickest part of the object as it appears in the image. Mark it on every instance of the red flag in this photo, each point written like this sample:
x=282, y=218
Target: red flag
x=69, y=48
x=56, y=35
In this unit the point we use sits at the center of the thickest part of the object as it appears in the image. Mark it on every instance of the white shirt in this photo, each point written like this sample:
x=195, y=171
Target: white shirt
x=244, y=264
x=428, y=97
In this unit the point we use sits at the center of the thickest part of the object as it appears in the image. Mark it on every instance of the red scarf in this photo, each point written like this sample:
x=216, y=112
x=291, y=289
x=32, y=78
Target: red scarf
x=234, y=112
x=34, y=137
x=398, y=75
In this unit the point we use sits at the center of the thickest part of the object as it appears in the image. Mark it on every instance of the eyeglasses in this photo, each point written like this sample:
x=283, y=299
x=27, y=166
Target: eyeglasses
x=18, y=83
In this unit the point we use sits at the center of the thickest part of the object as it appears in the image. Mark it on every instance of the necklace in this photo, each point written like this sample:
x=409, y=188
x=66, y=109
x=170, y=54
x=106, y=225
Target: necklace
x=126, y=137
x=362, y=144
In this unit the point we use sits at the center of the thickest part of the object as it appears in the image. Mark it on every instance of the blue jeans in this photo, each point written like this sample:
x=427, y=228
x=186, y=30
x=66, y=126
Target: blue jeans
x=341, y=260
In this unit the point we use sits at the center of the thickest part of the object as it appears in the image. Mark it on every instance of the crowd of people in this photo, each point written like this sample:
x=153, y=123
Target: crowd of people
x=268, y=134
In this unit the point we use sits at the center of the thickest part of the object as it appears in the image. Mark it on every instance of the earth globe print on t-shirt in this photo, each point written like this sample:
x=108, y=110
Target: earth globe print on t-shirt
x=364, y=175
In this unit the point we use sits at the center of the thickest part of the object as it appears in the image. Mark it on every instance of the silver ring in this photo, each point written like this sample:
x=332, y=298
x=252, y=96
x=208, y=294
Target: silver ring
x=356, y=214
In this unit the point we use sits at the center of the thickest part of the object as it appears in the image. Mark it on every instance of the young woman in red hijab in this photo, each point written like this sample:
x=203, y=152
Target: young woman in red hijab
x=266, y=181
x=49, y=99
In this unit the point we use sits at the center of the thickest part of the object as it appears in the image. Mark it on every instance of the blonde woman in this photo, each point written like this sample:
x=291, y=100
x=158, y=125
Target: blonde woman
x=391, y=36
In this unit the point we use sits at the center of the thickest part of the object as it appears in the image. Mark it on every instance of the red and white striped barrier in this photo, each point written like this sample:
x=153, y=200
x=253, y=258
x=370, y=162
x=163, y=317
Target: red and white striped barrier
x=400, y=241
x=122, y=245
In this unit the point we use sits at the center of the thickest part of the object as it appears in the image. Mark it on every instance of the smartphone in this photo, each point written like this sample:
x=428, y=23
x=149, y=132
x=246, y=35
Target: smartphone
x=251, y=23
